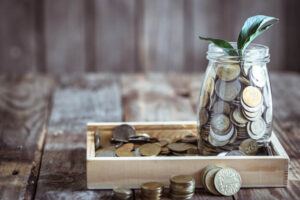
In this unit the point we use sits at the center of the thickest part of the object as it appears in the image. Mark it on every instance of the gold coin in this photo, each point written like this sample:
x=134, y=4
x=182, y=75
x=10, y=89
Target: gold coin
x=204, y=171
x=204, y=99
x=209, y=85
x=228, y=72
x=180, y=147
x=209, y=180
x=109, y=148
x=249, y=147
x=182, y=179
x=252, y=96
x=150, y=149
x=122, y=153
x=152, y=186
x=189, y=138
x=127, y=147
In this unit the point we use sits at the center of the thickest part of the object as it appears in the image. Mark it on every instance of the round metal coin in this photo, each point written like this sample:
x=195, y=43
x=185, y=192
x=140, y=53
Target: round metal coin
x=228, y=72
x=252, y=96
x=227, y=181
x=249, y=147
x=150, y=149
x=123, y=132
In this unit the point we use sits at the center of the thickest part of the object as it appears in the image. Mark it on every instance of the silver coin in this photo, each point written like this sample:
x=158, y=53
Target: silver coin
x=258, y=76
x=223, y=137
x=106, y=154
x=268, y=115
x=235, y=153
x=145, y=135
x=239, y=117
x=251, y=109
x=221, y=107
x=220, y=123
x=97, y=139
x=123, y=132
x=227, y=91
x=233, y=137
x=256, y=129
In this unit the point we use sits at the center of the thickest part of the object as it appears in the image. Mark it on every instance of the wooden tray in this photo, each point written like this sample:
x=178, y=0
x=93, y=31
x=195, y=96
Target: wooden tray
x=109, y=172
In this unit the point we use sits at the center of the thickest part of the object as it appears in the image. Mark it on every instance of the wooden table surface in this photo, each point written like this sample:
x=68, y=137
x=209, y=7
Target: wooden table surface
x=42, y=127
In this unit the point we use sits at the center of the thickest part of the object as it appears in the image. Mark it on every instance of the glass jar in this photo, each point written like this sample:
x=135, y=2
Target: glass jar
x=235, y=101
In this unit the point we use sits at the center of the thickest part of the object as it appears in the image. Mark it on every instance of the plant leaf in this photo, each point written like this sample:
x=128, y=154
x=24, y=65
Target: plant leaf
x=226, y=46
x=253, y=27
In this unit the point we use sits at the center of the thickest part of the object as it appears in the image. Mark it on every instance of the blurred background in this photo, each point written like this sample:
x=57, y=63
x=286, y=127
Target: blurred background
x=76, y=36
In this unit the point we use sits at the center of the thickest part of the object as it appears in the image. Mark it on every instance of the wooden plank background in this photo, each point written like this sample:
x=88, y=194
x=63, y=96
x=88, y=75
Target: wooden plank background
x=74, y=36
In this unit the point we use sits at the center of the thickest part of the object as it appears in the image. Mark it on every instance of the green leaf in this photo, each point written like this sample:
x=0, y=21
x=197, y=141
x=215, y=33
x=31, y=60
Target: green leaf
x=253, y=27
x=226, y=46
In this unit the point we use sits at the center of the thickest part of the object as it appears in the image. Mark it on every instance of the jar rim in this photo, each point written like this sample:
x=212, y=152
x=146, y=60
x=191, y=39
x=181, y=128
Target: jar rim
x=253, y=53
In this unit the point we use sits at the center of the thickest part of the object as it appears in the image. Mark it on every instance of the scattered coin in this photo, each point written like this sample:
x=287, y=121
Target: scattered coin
x=150, y=149
x=227, y=181
x=189, y=138
x=180, y=147
x=97, y=139
x=123, y=132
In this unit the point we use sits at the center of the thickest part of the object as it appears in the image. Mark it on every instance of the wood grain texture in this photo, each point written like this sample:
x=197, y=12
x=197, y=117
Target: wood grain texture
x=115, y=35
x=24, y=110
x=77, y=100
x=17, y=37
x=64, y=36
x=162, y=36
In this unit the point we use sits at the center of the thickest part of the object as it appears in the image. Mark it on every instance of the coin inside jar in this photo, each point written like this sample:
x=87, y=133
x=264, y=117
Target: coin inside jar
x=227, y=91
x=203, y=116
x=252, y=96
x=249, y=147
x=228, y=72
x=221, y=107
x=204, y=99
x=258, y=76
x=220, y=124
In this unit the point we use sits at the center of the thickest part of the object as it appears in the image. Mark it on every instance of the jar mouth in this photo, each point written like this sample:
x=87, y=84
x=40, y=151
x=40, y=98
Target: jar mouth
x=253, y=53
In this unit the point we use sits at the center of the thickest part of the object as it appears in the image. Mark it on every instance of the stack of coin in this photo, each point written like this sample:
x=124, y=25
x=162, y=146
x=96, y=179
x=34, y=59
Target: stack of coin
x=122, y=193
x=182, y=187
x=252, y=103
x=152, y=190
x=220, y=181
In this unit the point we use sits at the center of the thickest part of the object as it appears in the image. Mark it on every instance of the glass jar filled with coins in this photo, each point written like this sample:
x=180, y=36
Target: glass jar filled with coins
x=235, y=102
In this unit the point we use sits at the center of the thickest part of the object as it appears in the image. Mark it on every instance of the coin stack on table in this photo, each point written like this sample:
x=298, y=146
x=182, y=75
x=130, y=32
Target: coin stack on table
x=122, y=193
x=152, y=190
x=220, y=181
x=182, y=187
x=234, y=106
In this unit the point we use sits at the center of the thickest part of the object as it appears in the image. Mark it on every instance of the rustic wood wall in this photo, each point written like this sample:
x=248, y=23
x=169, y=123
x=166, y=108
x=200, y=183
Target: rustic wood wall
x=64, y=36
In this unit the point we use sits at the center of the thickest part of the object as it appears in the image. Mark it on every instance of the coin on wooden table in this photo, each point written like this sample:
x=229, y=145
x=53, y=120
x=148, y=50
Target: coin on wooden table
x=203, y=116
x=256, y=129
x=122, y=132
x=249, y=147
x=182, y=179
x=258, y=76
x=204, y=171
x=209, y=180
x=150, y=149
x=227, y=91
x=228, y=72
x=204, y=99
x=227, y=181
x=122, y=193
x=221, y=107
x=180, y=147
x=152, y=190
x=235, y=153
x=252, y=96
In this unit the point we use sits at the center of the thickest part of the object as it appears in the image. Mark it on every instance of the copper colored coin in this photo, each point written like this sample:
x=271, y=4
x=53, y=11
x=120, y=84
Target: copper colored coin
x=252, y=96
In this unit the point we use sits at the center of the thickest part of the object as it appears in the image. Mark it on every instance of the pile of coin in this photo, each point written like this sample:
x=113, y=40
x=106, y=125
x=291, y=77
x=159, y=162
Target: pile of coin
x=152, y=190
x=182, y=187
x=122, y=193
x=126, y=143
x=235, y=105
x=220, y=181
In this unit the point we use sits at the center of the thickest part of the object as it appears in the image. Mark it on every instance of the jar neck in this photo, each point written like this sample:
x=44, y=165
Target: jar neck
x=255, y=53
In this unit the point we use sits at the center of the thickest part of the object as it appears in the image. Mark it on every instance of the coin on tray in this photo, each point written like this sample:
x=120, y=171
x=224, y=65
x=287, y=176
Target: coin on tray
x=249, y=147
x=189, y=138
x=227, y=181
x=150, y=149
x=228, y=72
x=122, y=132
x=258, y=76
x=180, y=147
